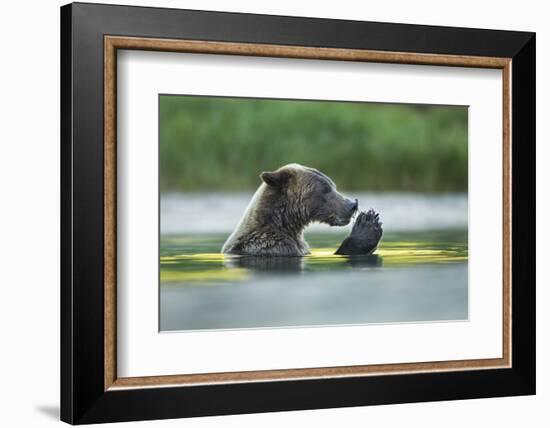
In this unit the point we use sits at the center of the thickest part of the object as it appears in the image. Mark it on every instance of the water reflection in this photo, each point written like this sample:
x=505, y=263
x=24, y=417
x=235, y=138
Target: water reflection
x=272, y=265
x=279, y=265
x=371, y=260
x=412, y=277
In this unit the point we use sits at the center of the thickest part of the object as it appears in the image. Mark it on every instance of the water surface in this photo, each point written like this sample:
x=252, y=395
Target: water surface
x=414, y=276
x=193, y=213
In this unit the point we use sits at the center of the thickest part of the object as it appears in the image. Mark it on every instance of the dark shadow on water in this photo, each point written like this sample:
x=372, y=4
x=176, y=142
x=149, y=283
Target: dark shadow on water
x=49, y=410
x=268, y=264
x=283, y=265
x=370, y=260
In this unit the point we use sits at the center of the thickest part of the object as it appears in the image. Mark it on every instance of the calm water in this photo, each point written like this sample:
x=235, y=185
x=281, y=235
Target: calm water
x=414, y=276
x=185, y=213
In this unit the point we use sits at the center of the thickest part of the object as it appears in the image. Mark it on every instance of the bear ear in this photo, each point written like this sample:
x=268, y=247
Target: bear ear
x=275, y=178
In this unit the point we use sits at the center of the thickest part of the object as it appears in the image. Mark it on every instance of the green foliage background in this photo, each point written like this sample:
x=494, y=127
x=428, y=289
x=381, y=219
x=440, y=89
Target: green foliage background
x=223, y=144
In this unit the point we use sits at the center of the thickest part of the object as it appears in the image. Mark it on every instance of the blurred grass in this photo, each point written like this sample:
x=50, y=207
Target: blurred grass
x=223, y=144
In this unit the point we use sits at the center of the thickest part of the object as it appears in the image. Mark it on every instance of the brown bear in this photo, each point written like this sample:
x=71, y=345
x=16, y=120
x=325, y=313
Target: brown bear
x=287, y=201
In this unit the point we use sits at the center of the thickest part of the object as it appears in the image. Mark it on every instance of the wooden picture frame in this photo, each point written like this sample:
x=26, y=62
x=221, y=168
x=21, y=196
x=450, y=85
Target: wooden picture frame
x=91, y=390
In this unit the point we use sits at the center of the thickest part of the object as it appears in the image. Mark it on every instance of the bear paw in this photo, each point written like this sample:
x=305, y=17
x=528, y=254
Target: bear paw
x=368, y=226
x=365, y=235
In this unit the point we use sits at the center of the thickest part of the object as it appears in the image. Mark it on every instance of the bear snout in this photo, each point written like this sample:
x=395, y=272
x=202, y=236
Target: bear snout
x=353, y=205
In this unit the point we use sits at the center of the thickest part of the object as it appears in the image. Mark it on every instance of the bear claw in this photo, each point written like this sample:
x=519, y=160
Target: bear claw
x=367, y=223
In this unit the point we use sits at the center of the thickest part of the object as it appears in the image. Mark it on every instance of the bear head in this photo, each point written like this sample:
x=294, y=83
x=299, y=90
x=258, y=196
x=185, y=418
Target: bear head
x=301, y=195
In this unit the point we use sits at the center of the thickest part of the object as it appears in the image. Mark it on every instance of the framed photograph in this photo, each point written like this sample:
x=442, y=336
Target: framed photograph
x=265, y=213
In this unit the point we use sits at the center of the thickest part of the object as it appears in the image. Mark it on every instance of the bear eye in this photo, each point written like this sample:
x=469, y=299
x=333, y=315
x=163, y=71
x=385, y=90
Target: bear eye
x=326, y=190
